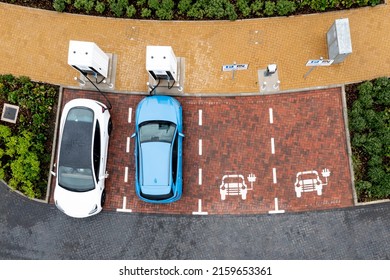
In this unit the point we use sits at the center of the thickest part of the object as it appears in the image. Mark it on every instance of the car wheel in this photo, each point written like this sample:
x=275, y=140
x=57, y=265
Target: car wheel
x=103, y=198
x=109, y=128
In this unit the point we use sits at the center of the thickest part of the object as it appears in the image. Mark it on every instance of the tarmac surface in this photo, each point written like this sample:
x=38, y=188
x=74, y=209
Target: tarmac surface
x=33, y=230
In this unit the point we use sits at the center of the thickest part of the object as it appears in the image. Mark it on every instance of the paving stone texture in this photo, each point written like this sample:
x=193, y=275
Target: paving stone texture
x=35, y=43
x=307, y=129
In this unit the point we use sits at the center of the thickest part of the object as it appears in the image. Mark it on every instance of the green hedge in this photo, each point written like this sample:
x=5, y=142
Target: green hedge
x=25, y=147
x=205, y=9
x=369, y=124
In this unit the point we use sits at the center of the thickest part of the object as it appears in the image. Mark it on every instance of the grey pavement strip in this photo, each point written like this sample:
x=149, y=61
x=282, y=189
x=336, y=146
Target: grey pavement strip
x=33, y=230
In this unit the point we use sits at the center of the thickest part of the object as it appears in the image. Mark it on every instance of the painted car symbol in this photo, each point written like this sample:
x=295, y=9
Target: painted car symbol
x=233, y=185
x=309, y=181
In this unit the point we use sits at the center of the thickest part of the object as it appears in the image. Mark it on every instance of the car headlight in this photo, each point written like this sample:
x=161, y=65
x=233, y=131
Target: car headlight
x=93, y=210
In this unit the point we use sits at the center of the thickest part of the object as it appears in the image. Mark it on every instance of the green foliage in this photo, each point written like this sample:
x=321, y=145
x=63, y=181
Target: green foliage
x=86, y=5
x=145, y=13
x=131, y=11
x=22, y=147
x=257, y=7
x=184, y=6
x=285, y=7
x=59, y=5
x=269, y=8
x=165, y=10
x=369, y=122
x=243, y=7
x=100, y=7
x=118, y=7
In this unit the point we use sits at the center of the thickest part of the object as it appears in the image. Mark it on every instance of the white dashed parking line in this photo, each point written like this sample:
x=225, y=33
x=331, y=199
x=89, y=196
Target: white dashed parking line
x=274, y=175
x=200, y=147
x=273, y=146
x=200, y=176
x=130, y=113
x=200, y=117
x=126, y=174
x=271, y=116
x=128, y=145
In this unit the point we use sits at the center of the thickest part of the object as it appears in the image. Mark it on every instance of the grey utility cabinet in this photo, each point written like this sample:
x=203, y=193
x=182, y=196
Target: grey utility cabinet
x=338, y=39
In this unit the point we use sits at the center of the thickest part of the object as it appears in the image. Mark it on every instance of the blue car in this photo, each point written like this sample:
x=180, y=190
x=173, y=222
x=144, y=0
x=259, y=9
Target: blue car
x=158, y=149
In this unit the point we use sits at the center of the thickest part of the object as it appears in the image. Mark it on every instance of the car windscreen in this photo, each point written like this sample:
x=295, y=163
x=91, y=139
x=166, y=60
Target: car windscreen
x=75, y=160
x=157, y=131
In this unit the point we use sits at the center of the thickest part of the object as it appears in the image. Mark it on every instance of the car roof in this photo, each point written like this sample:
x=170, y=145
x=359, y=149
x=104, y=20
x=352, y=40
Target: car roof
x=156, y=163
x=76, y=143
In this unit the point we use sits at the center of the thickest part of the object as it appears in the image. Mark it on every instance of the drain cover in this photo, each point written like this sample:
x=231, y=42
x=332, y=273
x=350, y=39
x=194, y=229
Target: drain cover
x=10, y=113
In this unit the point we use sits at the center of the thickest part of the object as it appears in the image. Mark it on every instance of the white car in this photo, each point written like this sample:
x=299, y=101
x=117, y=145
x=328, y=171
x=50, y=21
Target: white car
x=84, y=133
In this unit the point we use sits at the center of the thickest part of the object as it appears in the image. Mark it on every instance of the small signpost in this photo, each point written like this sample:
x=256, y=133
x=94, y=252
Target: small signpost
x=316, y=63
x=234, y=67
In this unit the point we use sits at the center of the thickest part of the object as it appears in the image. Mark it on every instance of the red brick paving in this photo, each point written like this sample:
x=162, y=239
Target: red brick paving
x=236, y=132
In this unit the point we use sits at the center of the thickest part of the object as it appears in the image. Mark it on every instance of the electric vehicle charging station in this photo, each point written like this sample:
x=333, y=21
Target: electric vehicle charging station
x=93, y=64
x=166, y=71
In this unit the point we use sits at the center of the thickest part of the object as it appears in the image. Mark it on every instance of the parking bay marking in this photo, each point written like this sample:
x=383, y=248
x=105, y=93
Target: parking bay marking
x=200, y=147
x=276, y=211
x=200, y=176
x=200, y=117
x=128, y=145
x=200, y=212
x=273, y=146
x=130, y=113
x=123, y=209
x=126, y=174
x=271, y=116
x=274, y=175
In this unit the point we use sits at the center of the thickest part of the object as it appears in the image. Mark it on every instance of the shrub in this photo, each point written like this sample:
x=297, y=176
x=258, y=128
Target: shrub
x=154, y=4
x=100, y=7
x=285, y=7
x=184, y=6
x=86, y=5
x=165, y=11
x=131, y=11
x=319, y=5
x=257, y=7
x=145, y=13
x=196, y=11
x=231, y=11
x=243, y=7
x=60, y=5
x=269, y=8
x=118, y=7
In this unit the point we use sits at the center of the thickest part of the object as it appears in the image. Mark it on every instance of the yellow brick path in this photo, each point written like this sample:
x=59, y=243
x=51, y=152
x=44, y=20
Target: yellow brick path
x=35, y=43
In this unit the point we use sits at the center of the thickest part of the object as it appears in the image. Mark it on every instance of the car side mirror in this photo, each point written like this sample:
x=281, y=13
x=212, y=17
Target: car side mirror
x=133, y=135
x=181, y=134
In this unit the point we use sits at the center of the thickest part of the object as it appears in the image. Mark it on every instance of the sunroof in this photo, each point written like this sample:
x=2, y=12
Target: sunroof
x=10, y=113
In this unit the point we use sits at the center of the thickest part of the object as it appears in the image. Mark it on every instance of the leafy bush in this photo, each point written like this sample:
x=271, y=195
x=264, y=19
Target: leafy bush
x=60, y=5
x=184, y=6
x=131, y=11
x=86, y=5
x=285, y=7
x=145, y=13
x=118, y=7
x=100, y=7
x=257, y=7
x=243, y=7
x=369, y=123
x=165, y=10
x=24, y=164
x=269, y=8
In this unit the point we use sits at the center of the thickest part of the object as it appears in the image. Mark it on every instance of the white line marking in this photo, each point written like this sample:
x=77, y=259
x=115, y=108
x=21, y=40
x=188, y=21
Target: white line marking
x=130, y=113
x=200, y=147
x=123, y=209
x=274, y=175
x=128, y=145
x=126, y=174
x=200, y=117
x=276, y=211
x=199, y=209
x=200, y=176
x=273, y=146
x=271, y=116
